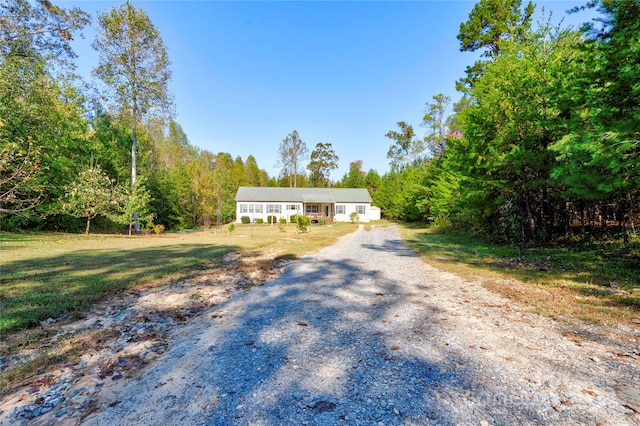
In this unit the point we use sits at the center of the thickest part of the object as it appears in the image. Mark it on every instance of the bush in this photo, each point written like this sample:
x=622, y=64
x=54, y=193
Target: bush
x=157, y=229
x=245, y=219
x=303, y=223
x=271, y=219
x=283, y=220
x=293, y=218
x=259, y=220
x=354, y=217
x=322, y=222
x=232, y=227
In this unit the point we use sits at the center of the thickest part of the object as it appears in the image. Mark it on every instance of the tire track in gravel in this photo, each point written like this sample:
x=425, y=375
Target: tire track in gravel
x=364, y=332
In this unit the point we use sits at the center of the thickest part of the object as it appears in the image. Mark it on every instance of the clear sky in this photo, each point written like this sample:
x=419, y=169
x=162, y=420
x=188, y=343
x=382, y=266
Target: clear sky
x=245, y=74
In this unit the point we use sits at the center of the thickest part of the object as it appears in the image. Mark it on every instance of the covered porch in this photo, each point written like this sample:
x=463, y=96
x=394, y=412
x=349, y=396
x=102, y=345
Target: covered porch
x=319, y=207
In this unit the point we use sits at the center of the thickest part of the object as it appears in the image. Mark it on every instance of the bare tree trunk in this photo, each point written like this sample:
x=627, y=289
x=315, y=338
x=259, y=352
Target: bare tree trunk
x=86, y=231
x=134, y=148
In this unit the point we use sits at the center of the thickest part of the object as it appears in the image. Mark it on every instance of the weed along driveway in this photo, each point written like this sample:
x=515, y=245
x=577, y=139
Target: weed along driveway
x=364, y=332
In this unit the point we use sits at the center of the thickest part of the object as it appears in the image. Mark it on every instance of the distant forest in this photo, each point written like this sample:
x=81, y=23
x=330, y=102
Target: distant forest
x=543, y=143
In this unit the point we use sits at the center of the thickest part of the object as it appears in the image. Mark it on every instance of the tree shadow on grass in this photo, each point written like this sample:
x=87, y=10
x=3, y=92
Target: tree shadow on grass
x=33, y=290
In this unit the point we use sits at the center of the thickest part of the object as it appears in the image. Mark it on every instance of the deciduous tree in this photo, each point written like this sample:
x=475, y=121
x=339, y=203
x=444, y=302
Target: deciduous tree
x=134, y=64
x=39, y=27
x=292, y=153
x=89, y=195
x=406, y=149
x=323, y=160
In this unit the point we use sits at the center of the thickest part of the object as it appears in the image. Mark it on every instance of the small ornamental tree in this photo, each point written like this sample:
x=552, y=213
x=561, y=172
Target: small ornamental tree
x=89, y=195
x=303, y=223
x=133, y=199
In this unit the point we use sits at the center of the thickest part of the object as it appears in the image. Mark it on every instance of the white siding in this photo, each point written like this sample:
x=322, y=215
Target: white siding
x=287, y=212
x=350, y=208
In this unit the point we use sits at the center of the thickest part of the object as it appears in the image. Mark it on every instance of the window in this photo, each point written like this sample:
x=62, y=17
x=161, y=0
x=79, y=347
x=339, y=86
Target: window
x=250, y=208
x=274, y=208
x=312, y=208
x=293, y=207
x=360, y=209
x=340, y=208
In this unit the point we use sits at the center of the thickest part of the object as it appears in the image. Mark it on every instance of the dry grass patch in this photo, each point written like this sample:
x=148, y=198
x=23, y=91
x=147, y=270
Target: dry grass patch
x=598, y=283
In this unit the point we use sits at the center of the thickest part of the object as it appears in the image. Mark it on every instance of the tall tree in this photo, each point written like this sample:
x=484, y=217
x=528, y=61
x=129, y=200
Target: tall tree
x=253, y=172
x=355, y=178
x=134, y=64
x=323, y=160
x=292, y=153
x=435, y=120
x=490, y=23
x=406, y=149
x=39, y=27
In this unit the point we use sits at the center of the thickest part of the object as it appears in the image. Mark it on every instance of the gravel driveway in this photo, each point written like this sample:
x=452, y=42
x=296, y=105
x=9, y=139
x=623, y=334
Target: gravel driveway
x=364, y=332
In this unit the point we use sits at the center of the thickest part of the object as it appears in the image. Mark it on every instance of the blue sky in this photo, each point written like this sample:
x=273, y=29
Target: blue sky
x=245, y=74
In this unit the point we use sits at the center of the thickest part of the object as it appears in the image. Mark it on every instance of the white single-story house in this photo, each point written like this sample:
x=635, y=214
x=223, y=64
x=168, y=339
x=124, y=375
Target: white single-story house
x=328, y=204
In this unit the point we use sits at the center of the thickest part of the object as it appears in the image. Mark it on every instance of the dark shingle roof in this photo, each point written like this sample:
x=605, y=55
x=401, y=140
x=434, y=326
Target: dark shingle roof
x=307, y=195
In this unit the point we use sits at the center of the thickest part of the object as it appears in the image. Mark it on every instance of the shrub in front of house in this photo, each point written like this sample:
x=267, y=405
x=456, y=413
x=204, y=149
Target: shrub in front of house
x=354, y=217
x=245, y=219
x=303, y=223
x=322, y=222
x=271, y=219
x=293, y=218
x=283, y=220
x=259, y=220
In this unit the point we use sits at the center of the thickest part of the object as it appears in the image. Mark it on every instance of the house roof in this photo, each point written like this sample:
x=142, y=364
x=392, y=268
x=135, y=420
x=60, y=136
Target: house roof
x=306, y=195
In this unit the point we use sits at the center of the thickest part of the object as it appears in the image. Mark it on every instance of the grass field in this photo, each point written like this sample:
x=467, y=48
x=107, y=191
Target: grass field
x=597, y=282
x=48, y=275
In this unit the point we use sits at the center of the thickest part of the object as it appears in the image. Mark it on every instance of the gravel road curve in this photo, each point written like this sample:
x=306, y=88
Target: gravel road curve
x=365, y=333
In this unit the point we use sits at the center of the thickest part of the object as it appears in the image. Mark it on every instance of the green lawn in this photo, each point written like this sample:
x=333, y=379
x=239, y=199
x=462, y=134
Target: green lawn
x=48, y=275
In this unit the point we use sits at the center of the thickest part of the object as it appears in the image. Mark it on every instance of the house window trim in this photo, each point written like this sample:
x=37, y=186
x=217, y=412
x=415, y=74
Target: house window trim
x=274, y=208
x=250, y=208
x=360, y=207
x=309, y=208
x=341, y=208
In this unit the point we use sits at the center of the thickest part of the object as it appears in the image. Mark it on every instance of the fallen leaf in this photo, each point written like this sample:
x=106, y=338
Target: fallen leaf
x=302, y=324
x=394, y=348
x=589, y=392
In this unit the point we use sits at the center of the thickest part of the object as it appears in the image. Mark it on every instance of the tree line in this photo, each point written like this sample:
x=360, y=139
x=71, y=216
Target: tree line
x=544, y=142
